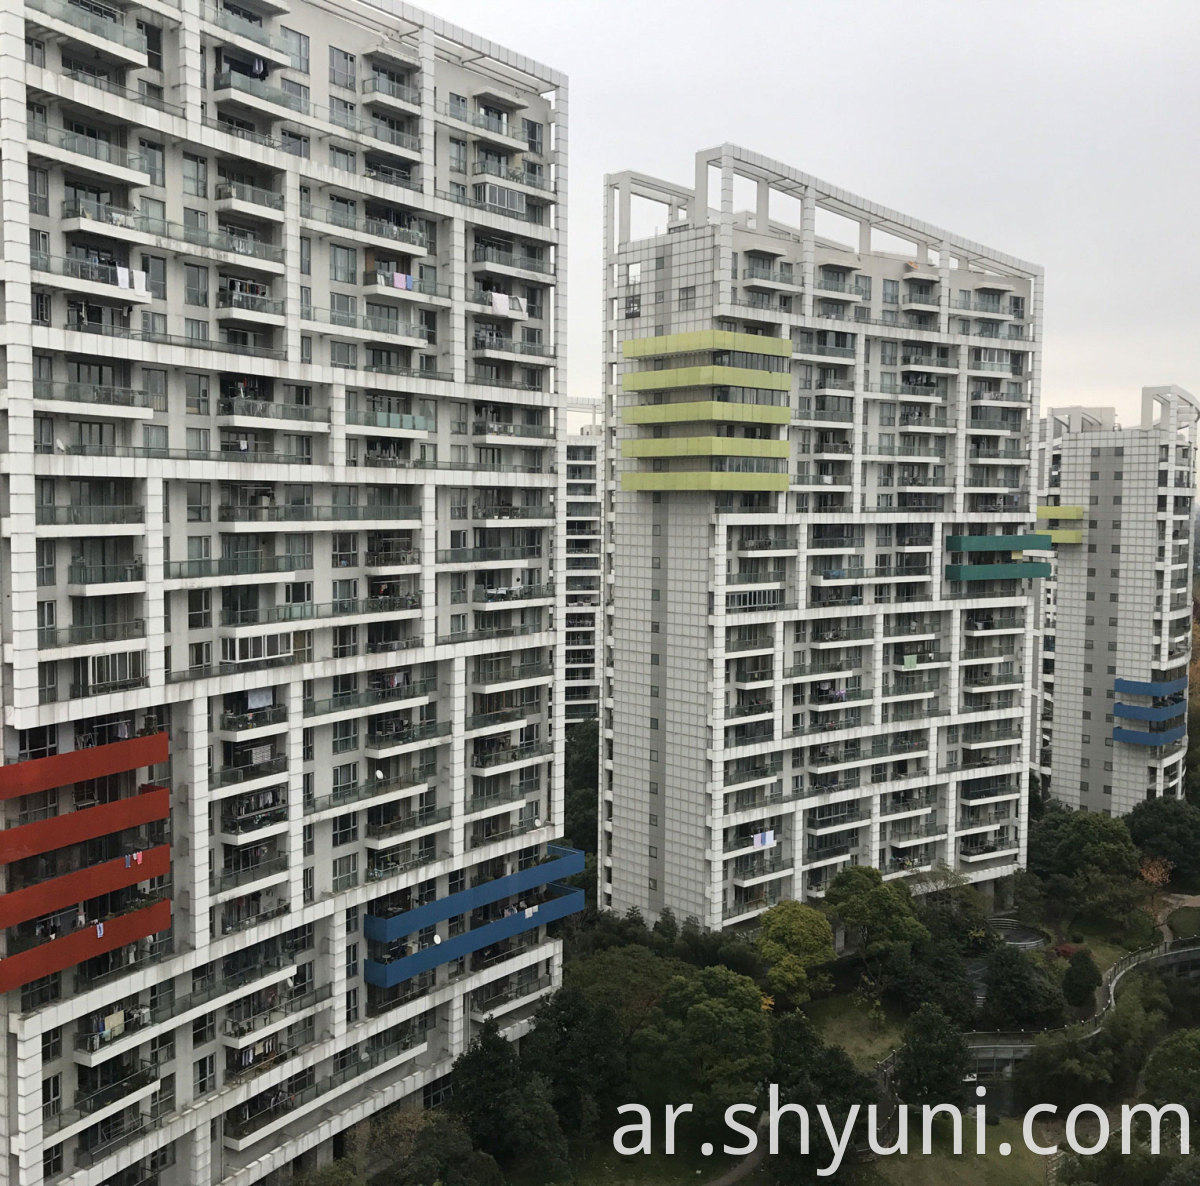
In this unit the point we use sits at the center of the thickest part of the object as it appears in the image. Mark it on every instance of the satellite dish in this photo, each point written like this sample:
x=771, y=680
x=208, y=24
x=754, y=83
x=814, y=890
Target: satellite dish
x=378, y=773
x=437, y=939
x=537, y=823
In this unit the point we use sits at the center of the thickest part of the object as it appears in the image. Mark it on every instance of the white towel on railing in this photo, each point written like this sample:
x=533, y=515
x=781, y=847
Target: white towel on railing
x=123, y=278
x=139, y=281
x=500, y=303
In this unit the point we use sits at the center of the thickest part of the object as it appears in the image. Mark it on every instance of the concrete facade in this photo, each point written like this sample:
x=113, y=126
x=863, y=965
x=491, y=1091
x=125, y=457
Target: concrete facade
x=1117, y=614
x=284, y=323
x=584, y=613
x=820, y=620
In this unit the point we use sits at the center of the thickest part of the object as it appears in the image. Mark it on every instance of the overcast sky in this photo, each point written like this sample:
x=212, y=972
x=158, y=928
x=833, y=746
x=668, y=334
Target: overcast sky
x=1060, y=131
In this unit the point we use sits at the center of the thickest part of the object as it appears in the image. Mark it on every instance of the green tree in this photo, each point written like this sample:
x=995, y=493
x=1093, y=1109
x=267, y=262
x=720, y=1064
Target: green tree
x=630, y=980
x=1168, y=828
x=506, y=1112
x=932, y=1063
x=1065, y=1069
x=933, y=972
x=1170, y=1076
x=1139, y=1167
x=577, y=1046
x=708, y=1042
x=879, y=912
x=1081, y=979
x=795, y=940
x=1019, y=994
x=437, y=1148
x=481, y=1076
x=1069, y=842
x=809, y=1073
x=340, y=1172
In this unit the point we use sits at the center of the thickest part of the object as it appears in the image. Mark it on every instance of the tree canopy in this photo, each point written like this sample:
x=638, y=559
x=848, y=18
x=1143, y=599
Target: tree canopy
x=932, y=1063
x=795, y=940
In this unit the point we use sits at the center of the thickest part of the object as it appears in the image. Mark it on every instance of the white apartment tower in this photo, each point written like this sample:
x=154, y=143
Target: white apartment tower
x=821, y=619
x=584, y=613
x=283, y=332
x=1111, y=706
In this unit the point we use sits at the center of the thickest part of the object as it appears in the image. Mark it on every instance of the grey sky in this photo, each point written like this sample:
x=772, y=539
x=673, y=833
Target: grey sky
x=1061, y=131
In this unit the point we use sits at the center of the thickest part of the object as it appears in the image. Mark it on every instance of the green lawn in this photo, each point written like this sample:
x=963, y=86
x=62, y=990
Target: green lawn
x=842, y=1021
x=943, y=1168
x=1185, y=922
x=1104, y=951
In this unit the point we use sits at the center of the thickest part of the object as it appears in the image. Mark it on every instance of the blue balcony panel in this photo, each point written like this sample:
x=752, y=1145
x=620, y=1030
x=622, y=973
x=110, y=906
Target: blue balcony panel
x=565, y=862
x=1152, y=739
x=1139, y=712
x=564, y=901
x=1133, y=687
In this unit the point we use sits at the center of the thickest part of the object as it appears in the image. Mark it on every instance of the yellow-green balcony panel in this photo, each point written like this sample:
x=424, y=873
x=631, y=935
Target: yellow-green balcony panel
x=704, y=480
x=705, y=375
x=1068, y=512
x=706, y=411
x=705, y=339
x=1066, y=535
x=706, y=446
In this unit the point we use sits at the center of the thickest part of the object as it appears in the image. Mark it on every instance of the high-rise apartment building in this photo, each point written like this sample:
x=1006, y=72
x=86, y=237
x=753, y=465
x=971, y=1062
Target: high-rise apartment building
x=283, y=293
x=822, y=620
x=1111, y=704
x=584, y=612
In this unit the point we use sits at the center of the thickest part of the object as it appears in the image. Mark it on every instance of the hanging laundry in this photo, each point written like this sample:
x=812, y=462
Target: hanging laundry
x=99, y=930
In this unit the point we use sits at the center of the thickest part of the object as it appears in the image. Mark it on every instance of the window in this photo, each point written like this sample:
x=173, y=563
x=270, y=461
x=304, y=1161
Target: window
x=153, y=36
x=52, y=1044
x=195, y=282
x=195, y=330
x=341, y=111
x=297, y=92
x=294, y=143
x=891, y=292
x=205, y=1075
x=351, y=1005
x=343, y=158
x=345, y=829
x=345, y=872
x=352, y=921
x=687, y=297
x=341, y=68
x=345, y=736
x=295, y=44
x=155, y=267
x=342, y=264
x=52, y=1162
x=204, y=1029
x=41, y=308
x=199, y=608
x=152, y=161
x=533, y=132
x=195, y=175
x=458, y=155
x=457, y=106
x=35, y=52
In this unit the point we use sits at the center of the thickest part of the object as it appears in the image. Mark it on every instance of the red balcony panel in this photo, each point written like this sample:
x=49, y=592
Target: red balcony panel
x=43, y=774
x=154, y=803
x=71, y=950
x=70, y=889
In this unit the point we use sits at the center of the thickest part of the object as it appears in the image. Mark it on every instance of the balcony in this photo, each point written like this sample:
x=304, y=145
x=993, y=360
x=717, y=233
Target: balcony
x=244, y=87
x=557, y=901
x=83, y=515
x=99, y=22
x=100, y=157
x=80, y=573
